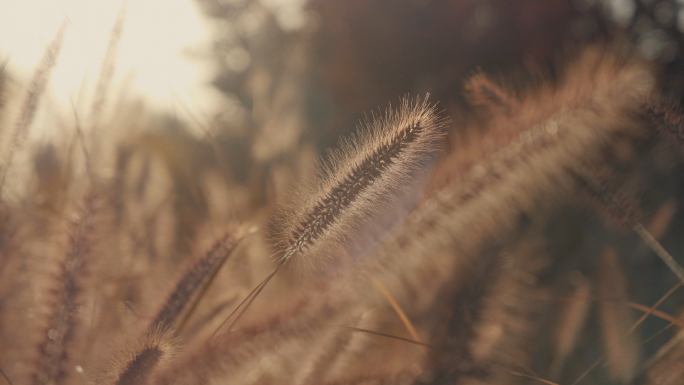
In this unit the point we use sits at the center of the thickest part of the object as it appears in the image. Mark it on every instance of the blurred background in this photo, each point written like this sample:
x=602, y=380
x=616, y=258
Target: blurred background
x=244, y=62
x=227, y=103
x=263, y=75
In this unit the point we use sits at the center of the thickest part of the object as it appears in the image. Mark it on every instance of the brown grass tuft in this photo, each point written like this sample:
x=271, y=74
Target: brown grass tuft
x=616, y=319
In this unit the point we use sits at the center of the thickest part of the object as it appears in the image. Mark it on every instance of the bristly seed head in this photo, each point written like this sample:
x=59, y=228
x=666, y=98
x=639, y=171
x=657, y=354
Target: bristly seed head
x=363, y=175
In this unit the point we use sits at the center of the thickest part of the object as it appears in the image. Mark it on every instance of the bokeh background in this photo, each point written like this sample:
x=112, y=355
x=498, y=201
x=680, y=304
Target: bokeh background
x=236, y=99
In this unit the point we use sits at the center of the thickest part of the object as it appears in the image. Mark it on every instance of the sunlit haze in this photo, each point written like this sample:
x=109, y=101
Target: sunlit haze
x=154, y=53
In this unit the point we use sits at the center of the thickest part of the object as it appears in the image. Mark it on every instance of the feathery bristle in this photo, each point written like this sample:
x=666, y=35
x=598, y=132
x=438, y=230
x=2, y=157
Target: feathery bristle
x=195, y=276
x=359, y=177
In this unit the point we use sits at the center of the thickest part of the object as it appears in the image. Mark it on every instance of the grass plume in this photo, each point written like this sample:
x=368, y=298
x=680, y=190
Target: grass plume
x=40, y=79
x=196, y=276
x=622, y=352
x=359, y=178
x=135, y=364
x=57, y=347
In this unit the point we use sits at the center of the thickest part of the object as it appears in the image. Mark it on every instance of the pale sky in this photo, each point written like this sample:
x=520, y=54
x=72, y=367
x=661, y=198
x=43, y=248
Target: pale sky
x=153, y=50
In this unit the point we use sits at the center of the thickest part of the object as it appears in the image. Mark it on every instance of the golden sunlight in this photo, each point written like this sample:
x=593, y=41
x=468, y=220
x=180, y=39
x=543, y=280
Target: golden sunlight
x=158, y=59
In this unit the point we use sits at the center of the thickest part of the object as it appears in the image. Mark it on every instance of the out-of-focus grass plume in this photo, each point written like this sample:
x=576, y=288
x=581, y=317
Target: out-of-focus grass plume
x=465, y=240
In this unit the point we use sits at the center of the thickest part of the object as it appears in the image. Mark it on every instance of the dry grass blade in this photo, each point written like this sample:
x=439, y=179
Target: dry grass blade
x=525, y=375
x=242, y=306
x=665, y=367
x=572, y=322
x=659, y=250
x=397, y=309
x=652, y=309
x=647, y=311
x=422, y=344
x=622, y=350
x=677, y=321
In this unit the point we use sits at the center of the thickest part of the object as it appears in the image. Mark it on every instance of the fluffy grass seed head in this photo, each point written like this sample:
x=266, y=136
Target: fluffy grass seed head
x=356, y=181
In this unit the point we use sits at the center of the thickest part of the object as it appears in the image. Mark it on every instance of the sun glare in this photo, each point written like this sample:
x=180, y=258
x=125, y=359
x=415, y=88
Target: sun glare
x=155, y=54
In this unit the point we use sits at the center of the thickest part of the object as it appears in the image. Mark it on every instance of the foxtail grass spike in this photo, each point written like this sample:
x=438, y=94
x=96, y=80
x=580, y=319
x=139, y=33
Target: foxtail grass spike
x=40, y=79
x=136, y=364
x=108, y=66
x=59, y=338
x=195, y=276
x=359, y=178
